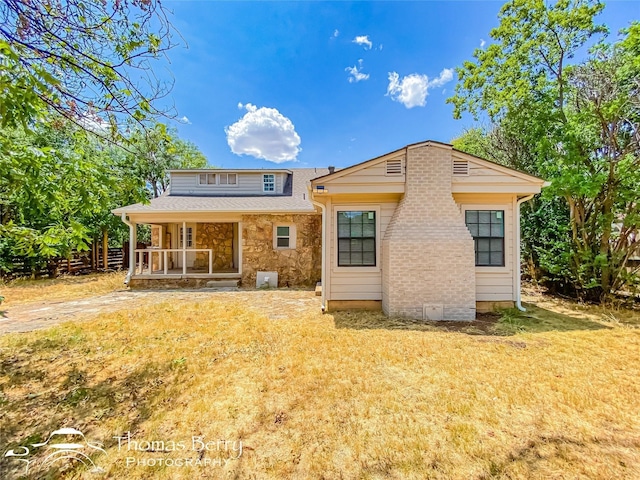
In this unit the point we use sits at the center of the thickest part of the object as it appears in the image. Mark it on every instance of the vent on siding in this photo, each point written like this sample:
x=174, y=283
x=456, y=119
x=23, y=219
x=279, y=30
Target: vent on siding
x=460, y=167
x=394, y=167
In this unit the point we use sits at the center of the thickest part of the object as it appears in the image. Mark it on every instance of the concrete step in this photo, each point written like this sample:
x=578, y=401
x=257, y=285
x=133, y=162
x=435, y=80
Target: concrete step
x=222, y=283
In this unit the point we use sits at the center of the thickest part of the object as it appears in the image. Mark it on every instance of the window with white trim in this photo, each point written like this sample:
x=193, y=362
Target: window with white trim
x=228, y=178
x=207, y=179
x=487, y=229
x=357, y=239
x=284, y=236
x=268, y=182
x=283, y=240
x=189, y=237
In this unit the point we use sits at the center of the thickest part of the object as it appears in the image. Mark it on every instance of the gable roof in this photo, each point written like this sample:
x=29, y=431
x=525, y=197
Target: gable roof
x=297, y=202
x=403, y=150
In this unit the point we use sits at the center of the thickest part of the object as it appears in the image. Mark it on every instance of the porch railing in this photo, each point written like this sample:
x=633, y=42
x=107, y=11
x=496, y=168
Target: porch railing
x=163, y=257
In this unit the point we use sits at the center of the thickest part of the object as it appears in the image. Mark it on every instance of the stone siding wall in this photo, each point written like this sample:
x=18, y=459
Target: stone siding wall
x=427, y=251
x=219, y=237
x=299, y=267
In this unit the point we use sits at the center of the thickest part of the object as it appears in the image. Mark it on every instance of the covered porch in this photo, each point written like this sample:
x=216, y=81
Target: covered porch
x=197, y=248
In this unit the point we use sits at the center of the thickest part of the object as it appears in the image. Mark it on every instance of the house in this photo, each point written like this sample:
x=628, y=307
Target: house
x=425, y=232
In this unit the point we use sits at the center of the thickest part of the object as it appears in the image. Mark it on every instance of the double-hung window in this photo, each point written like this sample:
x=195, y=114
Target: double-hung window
x=268, y=182
x=357, y=239
x=283, y=237
x=487, y=229
x=228, y=178
x=207, y=179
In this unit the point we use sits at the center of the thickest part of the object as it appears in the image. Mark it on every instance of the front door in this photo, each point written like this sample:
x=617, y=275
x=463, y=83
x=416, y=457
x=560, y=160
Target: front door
x=191, y=244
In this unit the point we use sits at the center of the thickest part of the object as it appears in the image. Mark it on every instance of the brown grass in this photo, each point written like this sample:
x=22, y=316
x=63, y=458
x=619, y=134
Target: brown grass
x=539, y=395
x=66, y=287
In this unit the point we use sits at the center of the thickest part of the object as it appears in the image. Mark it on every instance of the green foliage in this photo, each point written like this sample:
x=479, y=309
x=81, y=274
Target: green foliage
x=60, y=185
x=86, y=60
x=156, y=150
x=575, y=124
x=57, y=191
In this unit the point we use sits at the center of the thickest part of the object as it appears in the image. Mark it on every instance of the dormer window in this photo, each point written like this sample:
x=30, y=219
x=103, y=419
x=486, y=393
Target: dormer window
x=228, y=178
x=207, y=179
x=268, y=182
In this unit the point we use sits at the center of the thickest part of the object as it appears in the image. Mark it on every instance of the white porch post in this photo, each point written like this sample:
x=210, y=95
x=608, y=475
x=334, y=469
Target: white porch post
x=165, y=263
x=184, y=248
x=133, y=242
x=240, y=248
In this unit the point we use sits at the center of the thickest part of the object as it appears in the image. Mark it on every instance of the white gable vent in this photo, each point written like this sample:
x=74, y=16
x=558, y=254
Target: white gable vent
x=460, y=167
x=394, y=167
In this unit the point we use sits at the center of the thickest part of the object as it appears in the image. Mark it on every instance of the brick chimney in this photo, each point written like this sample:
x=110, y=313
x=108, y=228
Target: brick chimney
x=428, y=261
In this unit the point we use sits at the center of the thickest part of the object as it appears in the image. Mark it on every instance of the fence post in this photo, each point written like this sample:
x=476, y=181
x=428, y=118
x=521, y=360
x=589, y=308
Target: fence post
x=105, y=249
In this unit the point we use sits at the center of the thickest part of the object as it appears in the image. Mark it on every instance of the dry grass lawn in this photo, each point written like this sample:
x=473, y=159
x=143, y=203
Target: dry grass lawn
x=66, y=287
x=550, y=394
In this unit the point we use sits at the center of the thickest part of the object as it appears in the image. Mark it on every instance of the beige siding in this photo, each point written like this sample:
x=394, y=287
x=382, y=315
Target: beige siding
x=248, y=184
x=371, y=179
x=495, y=283
x=357, y=283
x=489, y=178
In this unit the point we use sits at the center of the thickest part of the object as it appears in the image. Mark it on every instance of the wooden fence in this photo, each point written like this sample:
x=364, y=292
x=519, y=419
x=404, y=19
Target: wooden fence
x=79, y=263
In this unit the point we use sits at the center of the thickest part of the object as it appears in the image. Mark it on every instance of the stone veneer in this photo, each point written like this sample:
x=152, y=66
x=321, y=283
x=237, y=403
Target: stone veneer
x=427, y=251
x=299, y=267
x=219, y=237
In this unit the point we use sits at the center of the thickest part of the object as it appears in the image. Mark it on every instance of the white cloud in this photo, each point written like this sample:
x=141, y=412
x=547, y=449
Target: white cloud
x=413, y=89
x=445, y=76
x=336, y=33
x=380, y=47
x=482, y=43
x=264, y=133
x=185, y=120
x=364, y=41
x=356, y=74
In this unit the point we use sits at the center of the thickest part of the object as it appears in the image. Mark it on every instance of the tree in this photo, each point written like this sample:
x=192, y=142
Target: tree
x=544, y=219
x=86, y=60
x=573, y=123
x=57, y=190
x=158, y=150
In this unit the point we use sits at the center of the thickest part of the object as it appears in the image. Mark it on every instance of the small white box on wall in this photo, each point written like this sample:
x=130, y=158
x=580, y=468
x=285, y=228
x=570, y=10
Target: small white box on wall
x=432, y=312
x=267, y=280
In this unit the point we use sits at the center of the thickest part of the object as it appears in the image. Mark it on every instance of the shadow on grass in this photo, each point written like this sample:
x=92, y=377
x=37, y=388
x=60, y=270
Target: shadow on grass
x=77, y=402
x=504, y=323
x=544, y=449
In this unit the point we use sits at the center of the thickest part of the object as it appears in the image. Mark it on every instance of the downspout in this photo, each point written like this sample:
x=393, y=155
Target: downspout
x=324, y=246
x=518, y=273
x=132, y=248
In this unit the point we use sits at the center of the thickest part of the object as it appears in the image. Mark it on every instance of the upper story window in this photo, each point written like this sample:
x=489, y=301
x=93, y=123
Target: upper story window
x=228, y=178
x=268, y=182
x=207, y=179
x=487, y=229
x=357, y=239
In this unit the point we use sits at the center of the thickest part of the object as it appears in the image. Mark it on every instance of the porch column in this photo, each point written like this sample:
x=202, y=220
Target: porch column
x=133, y=242
x=240, y=248
x=184, y=248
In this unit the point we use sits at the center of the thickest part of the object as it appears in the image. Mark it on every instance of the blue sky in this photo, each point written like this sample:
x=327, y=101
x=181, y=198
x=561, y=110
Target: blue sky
x=311, y=80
